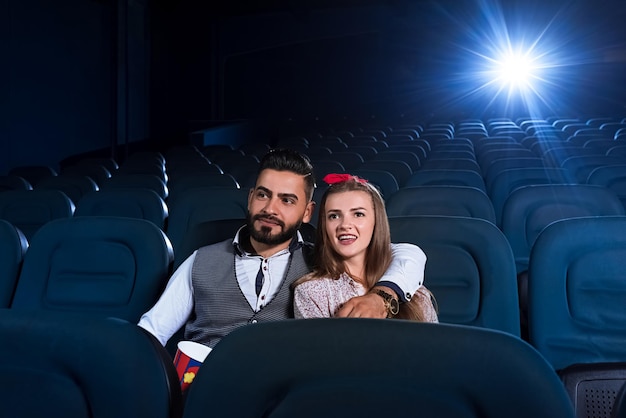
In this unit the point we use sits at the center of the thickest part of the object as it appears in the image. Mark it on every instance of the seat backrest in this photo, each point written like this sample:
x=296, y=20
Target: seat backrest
x=98, y=173
x=211, y=232
x=486, y=156
x=325, y=165
x=203, y=204
x=104, y=266
x=12, y=182
x=507, y=181
x=384, y=180
x=470, y=269
x=182, y=185
x=411, y=158
x=33, y=173
x=581, y=166
x=441, y=200
x=13, y=246
x=30, y=209
x=529, y=209
x=451, y=164
x=447, y=177
x=495, y=167
x=324, y=367
x=400, y=170
x=140, y=203
x=576, y=291
x=206, y=233
x=148, y=181
x=612, y=177
x=71, y=366
x=74, y=186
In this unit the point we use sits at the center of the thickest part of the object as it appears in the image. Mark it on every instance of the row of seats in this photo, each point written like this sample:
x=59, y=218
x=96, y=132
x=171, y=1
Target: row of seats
x=74, y=366
x=119, y=266
x=475, y=261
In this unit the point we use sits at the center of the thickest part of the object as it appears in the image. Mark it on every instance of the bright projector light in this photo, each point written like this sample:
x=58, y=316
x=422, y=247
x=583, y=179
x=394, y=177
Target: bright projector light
x=515, y=70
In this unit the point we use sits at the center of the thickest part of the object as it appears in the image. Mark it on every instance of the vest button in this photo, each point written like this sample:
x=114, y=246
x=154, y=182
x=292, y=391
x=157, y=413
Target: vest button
x=254, y=321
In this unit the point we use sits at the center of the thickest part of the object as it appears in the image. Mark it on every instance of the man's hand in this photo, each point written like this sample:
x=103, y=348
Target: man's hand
x=369, y=305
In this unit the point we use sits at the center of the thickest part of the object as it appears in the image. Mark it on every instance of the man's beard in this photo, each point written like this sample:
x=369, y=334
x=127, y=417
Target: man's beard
x=264, y=235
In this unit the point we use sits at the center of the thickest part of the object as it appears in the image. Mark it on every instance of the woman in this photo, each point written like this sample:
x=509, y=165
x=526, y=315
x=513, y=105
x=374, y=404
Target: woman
x=352, y=251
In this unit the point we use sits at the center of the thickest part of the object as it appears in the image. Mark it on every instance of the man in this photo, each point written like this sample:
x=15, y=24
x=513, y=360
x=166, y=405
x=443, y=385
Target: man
x=248, y=279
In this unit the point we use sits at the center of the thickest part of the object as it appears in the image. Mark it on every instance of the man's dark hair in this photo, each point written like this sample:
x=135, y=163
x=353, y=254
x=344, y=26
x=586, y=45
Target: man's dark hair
x=284, y=159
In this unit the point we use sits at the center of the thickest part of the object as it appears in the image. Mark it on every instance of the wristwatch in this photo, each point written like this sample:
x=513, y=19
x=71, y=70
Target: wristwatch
x=391, y=303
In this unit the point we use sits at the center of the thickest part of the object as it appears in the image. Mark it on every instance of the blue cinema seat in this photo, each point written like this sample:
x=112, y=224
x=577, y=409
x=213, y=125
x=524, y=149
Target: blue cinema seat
x=33, y=173
x=448, y=178
x=529, y=209
x=505, y=182
x=74, y=186
x=13, y=247
x=12, y=182
x=612, y=177
x=470, y=269
x=103, y=266
x=203, y=204
x=576, y=291
x=348, y=367
x=441, y=200
x=384, y=180
x=140, y=203
x=29, y=210
x=576, y=309
x=73, y=366
x=148, y=181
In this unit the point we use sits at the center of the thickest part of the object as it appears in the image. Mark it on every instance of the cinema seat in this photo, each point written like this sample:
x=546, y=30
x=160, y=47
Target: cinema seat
x=11, y=182
x=576, y=310
x=470, y=269
x=13, y=246
x=529, y=209
x=347, y=367
x=447, y=177
x=612, y=177
x=441, y=200
x=148, y=181
x=576, y=291
x=200, y=205
x=73, y=366
x=96, y=266
x=29, y=210
x=384, y=180
x=33, y=173
x=505, y=182
x=74, y=186
x=139, y=203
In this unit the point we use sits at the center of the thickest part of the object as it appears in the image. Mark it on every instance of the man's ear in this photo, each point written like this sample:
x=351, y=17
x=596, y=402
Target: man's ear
x=308, y=212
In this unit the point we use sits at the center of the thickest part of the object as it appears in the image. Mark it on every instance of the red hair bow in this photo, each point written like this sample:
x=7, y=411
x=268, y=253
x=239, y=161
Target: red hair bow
x=340, y=178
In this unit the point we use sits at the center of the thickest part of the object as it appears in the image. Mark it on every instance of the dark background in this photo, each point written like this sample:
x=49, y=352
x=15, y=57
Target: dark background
x=78, y=76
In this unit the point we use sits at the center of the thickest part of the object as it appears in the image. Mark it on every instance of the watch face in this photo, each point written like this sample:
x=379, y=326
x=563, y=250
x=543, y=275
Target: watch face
x=394, y=306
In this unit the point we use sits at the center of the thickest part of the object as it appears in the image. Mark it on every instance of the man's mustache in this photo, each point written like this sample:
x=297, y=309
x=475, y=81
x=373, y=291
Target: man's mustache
x=268, y=218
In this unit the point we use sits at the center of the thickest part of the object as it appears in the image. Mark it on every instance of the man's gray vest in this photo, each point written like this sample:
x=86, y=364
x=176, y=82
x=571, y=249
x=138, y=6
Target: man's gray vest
x=220, y=306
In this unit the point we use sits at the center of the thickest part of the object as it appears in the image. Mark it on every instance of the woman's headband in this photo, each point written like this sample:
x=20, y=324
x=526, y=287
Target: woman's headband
x=335, y=178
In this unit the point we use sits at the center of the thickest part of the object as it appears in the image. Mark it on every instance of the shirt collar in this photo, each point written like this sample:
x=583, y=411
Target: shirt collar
x=243, y=234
